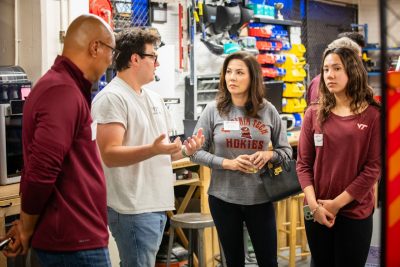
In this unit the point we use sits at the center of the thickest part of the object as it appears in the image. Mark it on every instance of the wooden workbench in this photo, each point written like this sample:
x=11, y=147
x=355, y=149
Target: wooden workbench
x=293, y=138
x=201, y=184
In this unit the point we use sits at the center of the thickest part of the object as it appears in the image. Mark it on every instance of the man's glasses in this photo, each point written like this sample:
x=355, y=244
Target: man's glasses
x=150, y=55
x=114, y=50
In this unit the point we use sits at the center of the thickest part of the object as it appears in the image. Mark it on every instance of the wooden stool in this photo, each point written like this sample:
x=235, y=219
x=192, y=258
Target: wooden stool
x=191, y=221
x=289, y=220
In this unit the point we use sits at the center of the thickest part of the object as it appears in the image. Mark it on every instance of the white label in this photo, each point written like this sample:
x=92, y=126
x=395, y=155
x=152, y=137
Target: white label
x=318, y=139
x=231, y=126
x=93, y=127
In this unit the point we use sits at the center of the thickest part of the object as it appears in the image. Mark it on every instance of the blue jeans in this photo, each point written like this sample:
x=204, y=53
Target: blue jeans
x=82, y=258
x=138, y=236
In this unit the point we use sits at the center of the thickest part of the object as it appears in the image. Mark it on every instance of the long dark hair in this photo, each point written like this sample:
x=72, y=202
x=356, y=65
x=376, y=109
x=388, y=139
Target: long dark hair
x=357, y=88
x=256, y=91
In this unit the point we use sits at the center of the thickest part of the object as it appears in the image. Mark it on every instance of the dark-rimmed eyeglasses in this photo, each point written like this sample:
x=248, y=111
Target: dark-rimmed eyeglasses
x=114, y=50
x=149, y=55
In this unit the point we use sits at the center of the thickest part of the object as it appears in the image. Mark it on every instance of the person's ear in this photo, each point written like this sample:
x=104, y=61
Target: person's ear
x=134, y=58
x=94, y=48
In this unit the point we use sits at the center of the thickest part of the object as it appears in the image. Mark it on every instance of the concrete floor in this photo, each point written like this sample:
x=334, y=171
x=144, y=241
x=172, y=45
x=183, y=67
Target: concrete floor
x=285, y=263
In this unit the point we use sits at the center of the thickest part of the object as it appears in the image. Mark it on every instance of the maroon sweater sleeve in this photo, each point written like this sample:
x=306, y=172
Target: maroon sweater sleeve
x=50, y=119
x=364, y=182
x=306, y=151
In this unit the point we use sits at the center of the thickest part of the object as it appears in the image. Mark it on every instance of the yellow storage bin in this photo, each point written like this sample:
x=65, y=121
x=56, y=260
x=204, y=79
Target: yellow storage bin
x=293, y=90
x=294, y=75
x=303, y=104
x=293, y=105
x=298, y=50
x=291, y=62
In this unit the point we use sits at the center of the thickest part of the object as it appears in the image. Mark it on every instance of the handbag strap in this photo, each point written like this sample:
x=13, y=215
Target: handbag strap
x=280, y=157
x=284, y=163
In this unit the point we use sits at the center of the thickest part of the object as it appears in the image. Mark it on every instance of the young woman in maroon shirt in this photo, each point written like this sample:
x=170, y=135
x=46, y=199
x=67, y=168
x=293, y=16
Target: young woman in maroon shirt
x=339, y=162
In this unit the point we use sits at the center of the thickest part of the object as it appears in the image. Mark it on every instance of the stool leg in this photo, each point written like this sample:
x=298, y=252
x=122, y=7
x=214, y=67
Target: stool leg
x=245, y=243
x=190, y=248
x=303, y=236
x=200, y=244
x=170, y=244
x=280, y=219
x=221, y=252
x=292, y=240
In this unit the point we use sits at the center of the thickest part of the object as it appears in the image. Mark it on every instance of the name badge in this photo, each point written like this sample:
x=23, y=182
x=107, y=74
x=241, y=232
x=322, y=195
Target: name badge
x=318, y=139
x=93, y=127
x=231, y=126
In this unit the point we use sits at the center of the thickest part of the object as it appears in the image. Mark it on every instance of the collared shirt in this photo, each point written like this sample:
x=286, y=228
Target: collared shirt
x=62, y=180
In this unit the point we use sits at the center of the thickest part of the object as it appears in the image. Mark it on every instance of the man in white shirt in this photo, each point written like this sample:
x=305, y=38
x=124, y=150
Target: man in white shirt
x=132, y=135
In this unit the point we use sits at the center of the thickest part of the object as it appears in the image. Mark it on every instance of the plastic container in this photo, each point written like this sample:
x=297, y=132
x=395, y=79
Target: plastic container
x=269, y=72
x=267, y=58
x=230, y=48
x=293, y=90
x=269, y=11
x=258, y=9
x=264, y=46
x=260, y=32
x=298, y=119
x=298, y=50
x=279, y=58
x=293, y=105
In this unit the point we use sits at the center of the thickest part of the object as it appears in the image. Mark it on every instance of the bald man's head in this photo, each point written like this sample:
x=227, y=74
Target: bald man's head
x=87, y=44
x=85, y=29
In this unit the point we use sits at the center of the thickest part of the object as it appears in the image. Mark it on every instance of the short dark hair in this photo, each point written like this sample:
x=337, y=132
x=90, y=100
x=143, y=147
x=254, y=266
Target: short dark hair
x=133, y=41
x=354, y=36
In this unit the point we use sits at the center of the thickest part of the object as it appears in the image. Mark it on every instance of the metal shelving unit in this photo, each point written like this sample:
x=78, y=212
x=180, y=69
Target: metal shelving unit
x=266, y=20
x=197, y=97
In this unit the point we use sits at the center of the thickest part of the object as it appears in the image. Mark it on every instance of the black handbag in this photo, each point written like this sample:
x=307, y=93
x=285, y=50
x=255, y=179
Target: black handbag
x=280, y=180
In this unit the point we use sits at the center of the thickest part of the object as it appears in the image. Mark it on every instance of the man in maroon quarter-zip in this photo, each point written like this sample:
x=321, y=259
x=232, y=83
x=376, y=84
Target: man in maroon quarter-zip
x=63, y=191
